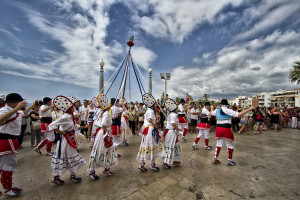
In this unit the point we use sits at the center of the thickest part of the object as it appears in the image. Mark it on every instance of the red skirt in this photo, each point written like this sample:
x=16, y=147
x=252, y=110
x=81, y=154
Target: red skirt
x=115, y=131
x=9, y=146
x=226, y=133
x=204, y=126
x=182, y=120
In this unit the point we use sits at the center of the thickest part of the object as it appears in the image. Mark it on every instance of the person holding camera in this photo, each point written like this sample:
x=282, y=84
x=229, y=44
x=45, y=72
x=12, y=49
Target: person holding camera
x=35, y=122
x=10, y=128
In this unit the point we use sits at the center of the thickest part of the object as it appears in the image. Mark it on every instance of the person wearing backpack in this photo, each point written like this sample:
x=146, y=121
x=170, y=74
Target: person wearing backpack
x=224, y=131
x=259, y=119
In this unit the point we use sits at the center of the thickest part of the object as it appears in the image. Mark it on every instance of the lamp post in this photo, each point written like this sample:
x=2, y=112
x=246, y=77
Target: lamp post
x=165, y=77
x=101, y=81
x=150, y=81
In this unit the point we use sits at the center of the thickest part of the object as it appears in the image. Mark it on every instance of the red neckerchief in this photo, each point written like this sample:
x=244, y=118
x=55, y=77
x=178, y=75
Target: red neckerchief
x=12, y=119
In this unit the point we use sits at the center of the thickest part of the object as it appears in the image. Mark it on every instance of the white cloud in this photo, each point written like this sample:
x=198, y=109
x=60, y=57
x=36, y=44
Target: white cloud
x=175, y=20
x=267, y=15
x=143, y=57
x=244, y=68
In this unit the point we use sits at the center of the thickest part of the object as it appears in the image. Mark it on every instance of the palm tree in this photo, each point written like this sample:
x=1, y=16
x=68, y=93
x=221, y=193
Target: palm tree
x=295, y=73
x=205, y=96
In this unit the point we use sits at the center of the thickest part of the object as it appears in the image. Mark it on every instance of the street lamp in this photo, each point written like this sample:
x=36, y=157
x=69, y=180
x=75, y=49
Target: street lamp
x=150, y=81
x=101, y=81
x=165, y=77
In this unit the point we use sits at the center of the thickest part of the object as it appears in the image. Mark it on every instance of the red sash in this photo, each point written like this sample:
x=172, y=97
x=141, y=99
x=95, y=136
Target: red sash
x=126, y=119
x=10, y=120
x=9, y=146
x=145, y=132
x=165, y=133
x=97, y=130
x=108, y=141
x=71, y=139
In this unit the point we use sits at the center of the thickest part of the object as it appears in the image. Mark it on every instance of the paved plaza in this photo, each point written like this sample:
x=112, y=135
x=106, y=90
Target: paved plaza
x=268, y=167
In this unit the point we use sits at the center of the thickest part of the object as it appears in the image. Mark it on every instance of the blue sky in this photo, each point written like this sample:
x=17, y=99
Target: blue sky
x=223, y=48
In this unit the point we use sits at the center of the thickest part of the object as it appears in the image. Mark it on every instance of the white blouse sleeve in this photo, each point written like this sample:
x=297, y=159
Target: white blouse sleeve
x=62, y=121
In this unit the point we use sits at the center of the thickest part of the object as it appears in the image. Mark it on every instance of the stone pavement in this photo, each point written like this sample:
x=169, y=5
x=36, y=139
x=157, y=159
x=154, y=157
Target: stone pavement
x=268, y=167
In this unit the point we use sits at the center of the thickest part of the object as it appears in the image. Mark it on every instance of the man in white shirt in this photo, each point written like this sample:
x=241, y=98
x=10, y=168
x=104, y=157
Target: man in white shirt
x=116, y=113
x=10, y=127
x=204, y=127
x=46, y=119
x=224, y=131
x=194, y=117
x=82, y=112
x=183, y=124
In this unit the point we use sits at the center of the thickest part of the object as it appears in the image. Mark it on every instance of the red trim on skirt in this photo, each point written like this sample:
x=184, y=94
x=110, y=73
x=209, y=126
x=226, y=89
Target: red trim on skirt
x=115, y=131
x=182, y=120
x=203, y=126
x=226, y=133
x=9, y=146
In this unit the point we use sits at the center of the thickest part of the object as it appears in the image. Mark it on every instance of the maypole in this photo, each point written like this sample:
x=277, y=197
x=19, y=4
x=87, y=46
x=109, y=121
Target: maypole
x=130, y=44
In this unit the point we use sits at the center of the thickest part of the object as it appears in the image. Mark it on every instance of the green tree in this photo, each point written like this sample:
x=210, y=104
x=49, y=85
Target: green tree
x=177, y=99
x=295, y=73
x=205, y=96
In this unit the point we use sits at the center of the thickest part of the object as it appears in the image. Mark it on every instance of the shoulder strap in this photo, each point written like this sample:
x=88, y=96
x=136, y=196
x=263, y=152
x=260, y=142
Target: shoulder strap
x=12, y=119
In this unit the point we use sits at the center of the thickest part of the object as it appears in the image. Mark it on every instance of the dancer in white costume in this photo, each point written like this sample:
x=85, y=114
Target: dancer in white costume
x=66, y=155
x=104, y=152
x=183, y=124
x=125, y=129
x=172, y=147
x=204, y=127
x=150, y=147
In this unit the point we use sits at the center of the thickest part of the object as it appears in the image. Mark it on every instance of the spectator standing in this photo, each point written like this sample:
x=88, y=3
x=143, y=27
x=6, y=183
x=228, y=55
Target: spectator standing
x=132, y=118
x=82, y=112
x=35, y=120
x=23, y=129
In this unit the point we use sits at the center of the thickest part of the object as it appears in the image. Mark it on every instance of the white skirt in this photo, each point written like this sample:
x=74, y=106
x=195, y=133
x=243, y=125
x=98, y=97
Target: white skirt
x=125, y=129
x=102, y=156
x=69, y=158
x=172, y=148
x=149, y=149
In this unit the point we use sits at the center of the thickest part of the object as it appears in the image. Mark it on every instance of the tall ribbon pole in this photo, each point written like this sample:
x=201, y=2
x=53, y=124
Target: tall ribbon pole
x=130, y=44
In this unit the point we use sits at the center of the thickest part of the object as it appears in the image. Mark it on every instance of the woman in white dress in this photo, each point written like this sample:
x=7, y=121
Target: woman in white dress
x=104, y=153
x=65, y=156
x=125, y=128
x=150, y=147
x=172, y=147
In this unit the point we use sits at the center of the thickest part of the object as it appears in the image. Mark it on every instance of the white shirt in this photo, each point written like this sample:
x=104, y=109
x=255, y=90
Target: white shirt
x=97, y=114
x=106, y=119
x=65, y=123
x=180, y=109
x=116, y=112
x=82, y=111
x=205, y=112
x=14, y=127
x=149, y=115
x=46, y=113
x=172, y=119
x=194, y=111
x=227, y=111
x=56, y=114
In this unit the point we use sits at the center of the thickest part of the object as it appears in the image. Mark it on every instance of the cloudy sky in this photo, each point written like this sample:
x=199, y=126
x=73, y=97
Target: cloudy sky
x=223, y=48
